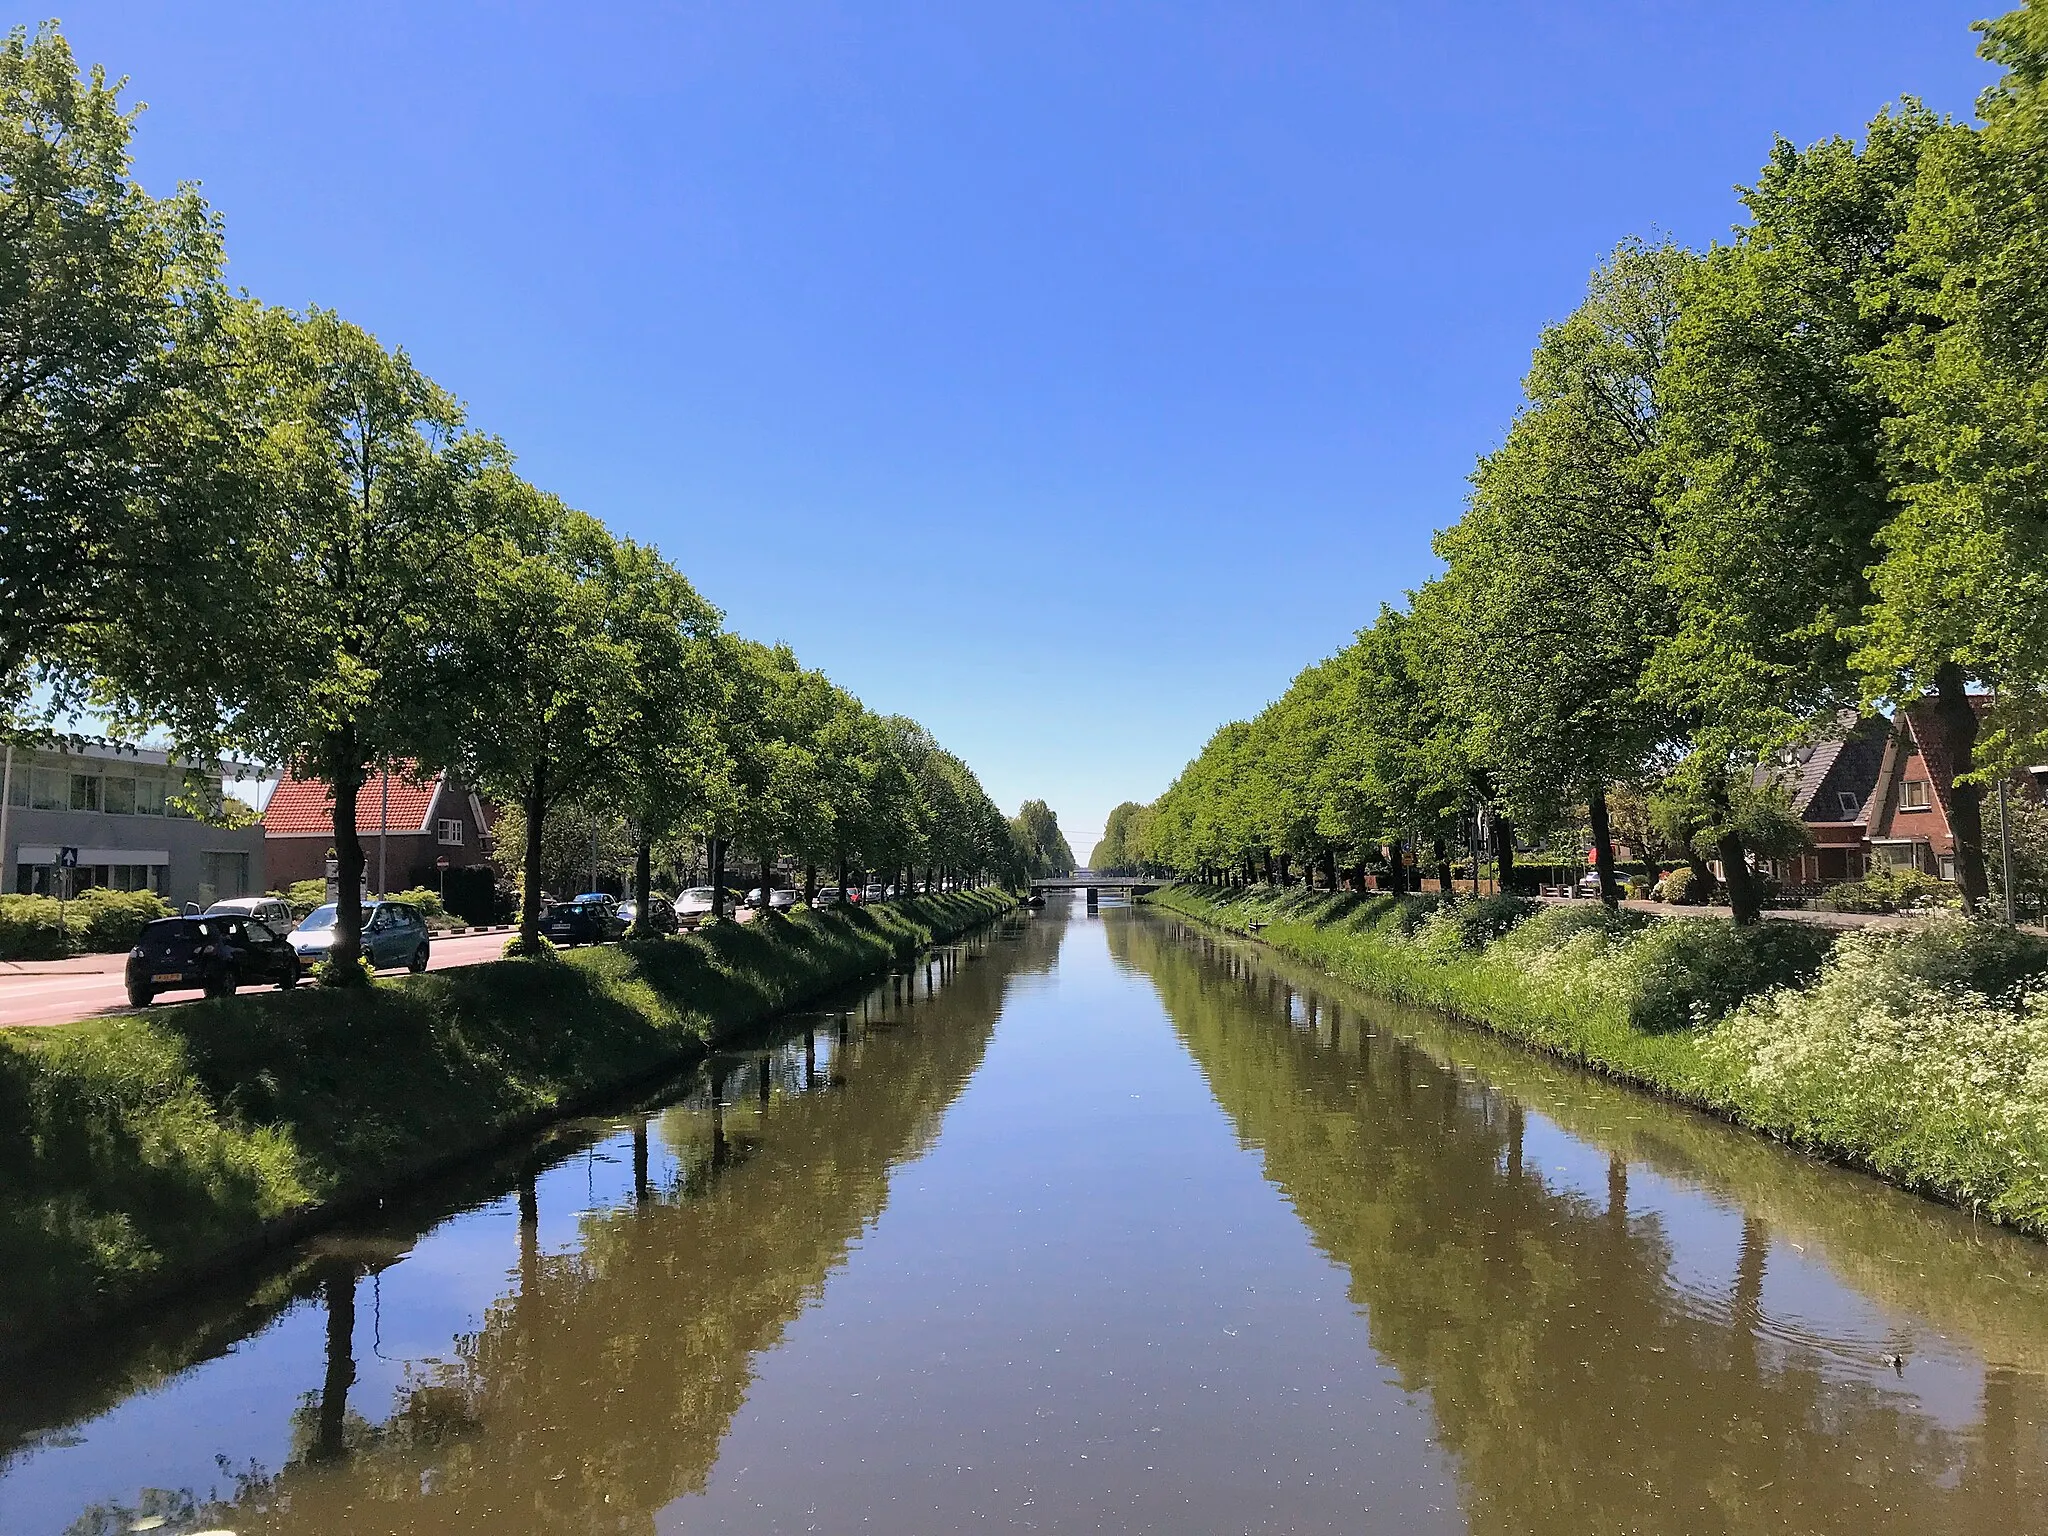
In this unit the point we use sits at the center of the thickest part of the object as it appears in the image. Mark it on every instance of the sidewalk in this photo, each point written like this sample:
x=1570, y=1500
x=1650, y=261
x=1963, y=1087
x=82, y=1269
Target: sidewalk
x=1842, y=920
x=75, y=965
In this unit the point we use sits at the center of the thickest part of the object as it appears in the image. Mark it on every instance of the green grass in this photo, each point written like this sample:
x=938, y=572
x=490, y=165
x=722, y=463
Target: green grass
x=1921, y=1055
x=138, y=1151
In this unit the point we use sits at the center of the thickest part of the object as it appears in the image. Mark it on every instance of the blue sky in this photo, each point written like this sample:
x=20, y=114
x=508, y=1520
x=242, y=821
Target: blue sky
x=1064, y=376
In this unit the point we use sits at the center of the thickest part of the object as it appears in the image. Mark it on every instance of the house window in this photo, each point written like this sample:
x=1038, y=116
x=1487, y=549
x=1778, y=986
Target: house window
x=149, y=795
x=85, y=791
x=17, y=785
x=1913, y=795
x=52, y=790
x=448, y=832
x=118, y=796
x=1849, y=803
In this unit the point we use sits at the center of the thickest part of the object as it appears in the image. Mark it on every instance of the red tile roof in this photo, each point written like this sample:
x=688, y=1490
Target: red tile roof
x=307, y=805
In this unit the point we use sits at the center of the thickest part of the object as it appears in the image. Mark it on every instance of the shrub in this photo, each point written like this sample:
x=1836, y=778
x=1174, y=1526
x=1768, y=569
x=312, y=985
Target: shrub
x=1675, y=888
x=332, y=973
x=1473, y=924
x=302, y=896
x=98, y=922
x=106, y=922
x=30, y=929
x=1694, y=972
x=427, y=902
x=516, y=948
x=1893, y=888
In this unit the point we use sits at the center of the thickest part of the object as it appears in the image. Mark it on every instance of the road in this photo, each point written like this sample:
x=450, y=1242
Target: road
x=91, y=986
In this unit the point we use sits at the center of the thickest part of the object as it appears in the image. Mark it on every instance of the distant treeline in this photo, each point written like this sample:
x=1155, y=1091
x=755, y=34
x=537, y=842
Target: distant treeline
x=1749, y=489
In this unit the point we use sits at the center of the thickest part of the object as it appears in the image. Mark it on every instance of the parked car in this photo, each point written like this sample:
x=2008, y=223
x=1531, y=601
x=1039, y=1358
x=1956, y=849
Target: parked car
x=592, y=918
x=781, y=899
x=1589, y=883
x=694, y=904
x=874, y=892
x=216, y=952
x=273, y=912
x=828, y=895
x=394, y=934
x=660, y=914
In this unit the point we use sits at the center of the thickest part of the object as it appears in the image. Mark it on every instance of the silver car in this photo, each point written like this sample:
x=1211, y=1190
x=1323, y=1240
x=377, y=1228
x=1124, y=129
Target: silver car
x=393, y=935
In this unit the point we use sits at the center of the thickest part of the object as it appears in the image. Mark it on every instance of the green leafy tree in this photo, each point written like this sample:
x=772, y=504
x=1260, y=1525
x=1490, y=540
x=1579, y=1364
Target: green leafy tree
x=1552, y=609
x=1043, y=845
x=545, y=670
x=111, y=307
x=335, y=628
x=1961, y=588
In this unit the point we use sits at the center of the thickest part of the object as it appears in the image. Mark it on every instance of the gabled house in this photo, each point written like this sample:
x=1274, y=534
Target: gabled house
x=1909, y=822
x=1833, y=786
x=408, y=821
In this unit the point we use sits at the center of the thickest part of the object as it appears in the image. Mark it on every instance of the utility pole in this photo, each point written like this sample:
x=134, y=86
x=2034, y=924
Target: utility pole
x=2005, y=848
x=6, y=801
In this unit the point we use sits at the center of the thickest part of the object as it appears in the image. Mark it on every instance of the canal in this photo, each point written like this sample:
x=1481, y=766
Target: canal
x=1088, y=1222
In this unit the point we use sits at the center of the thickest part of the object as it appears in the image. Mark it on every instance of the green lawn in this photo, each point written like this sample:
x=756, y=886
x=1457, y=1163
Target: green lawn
x=136, y=1151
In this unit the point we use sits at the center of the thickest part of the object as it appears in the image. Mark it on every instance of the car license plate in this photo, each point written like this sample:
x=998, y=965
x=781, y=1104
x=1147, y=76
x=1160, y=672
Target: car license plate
x=168, y=976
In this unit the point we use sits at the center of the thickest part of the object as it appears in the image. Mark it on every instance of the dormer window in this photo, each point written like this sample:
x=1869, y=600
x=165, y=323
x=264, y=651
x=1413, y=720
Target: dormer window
x=1913, y=795
x=1849, y=804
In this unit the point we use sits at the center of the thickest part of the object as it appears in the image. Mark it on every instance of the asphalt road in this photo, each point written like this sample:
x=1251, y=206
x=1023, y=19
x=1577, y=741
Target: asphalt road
x=60, y=994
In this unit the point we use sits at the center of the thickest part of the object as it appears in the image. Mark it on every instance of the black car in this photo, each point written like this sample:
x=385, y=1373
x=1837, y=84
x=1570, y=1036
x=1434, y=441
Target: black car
x=217, y=953
x=592, y=919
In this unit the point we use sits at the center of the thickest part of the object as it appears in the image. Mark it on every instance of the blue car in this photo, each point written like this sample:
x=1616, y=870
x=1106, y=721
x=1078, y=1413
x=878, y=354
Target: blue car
x=394, y=934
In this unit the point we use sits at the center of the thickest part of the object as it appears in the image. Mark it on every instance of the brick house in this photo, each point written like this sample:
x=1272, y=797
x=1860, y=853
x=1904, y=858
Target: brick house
x=1909, y=822
x=408, y=822
x=1834, y=788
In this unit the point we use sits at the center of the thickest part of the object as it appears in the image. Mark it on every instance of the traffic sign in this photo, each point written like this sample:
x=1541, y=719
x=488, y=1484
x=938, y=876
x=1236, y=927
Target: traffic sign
x=67, y=858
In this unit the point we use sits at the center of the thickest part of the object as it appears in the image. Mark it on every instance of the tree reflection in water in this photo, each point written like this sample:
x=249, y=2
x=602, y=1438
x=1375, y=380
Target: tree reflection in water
x=1578, y=1384
x=598, y=1388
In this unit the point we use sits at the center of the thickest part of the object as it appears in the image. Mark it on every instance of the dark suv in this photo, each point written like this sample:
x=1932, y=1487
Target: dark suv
x=592, y=918
x=216, y=953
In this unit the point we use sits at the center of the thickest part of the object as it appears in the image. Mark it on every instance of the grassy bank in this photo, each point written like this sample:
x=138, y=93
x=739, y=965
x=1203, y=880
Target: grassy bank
x=139, y=1151
x=1921, y=1055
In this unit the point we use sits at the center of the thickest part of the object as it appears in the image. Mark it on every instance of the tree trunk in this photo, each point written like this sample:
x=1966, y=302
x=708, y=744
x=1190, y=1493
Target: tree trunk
x=529, y=895
x=810, y=884
x=348, y=861
x=1743, y=895
x=1285, y=861
x=643, y=888
x=1704, y=884
x=842, y=875
x=767, y=878
x=1442, y=853
x=1502, y=835
x=1965, y=801
x=716, y=854
x=1603, y=846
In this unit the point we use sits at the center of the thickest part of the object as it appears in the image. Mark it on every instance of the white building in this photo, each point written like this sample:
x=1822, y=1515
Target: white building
x=116, y=811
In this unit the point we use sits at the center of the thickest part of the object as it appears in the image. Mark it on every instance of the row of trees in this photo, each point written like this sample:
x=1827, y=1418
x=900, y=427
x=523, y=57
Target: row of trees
x=260, y=531
x=1748, y=489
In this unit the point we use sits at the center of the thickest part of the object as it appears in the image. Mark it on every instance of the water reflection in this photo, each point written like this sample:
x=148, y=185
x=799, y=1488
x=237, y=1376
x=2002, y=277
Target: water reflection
x=1584, y=1373
x=1206, y=1244
x=594, y=1387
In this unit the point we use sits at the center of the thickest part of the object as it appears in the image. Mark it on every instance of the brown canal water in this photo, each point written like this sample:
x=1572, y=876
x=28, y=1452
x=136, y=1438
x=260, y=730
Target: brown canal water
x=1090, y=1223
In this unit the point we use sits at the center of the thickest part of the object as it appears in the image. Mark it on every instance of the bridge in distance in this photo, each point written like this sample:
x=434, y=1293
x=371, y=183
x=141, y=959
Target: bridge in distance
x=1091, y=882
